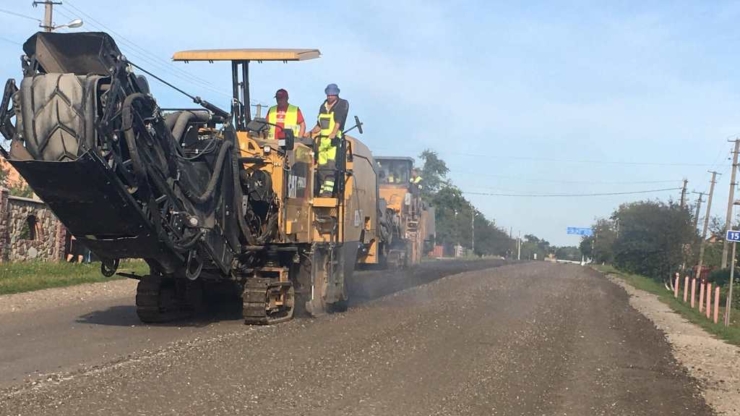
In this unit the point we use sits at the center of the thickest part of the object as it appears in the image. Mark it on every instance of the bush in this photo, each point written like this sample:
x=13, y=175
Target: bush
x=723, y=293
x=722, y=276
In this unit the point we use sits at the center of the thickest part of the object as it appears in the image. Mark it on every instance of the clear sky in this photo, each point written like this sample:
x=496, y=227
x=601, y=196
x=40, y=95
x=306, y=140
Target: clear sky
x=517, y=97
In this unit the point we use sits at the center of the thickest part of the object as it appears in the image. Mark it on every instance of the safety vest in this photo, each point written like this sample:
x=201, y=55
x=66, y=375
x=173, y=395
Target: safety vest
x=289, y=122
x=416, y=180
x=326, y=122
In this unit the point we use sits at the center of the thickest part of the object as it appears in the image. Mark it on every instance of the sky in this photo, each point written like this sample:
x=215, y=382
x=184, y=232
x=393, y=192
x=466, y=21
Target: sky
x=519, y=98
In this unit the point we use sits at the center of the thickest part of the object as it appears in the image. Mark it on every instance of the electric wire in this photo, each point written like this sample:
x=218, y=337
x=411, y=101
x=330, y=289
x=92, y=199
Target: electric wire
x=571, y=195
x=12, y=13
x=141, y=49
x=144, y=55
x=574, y=182
x=11, y=41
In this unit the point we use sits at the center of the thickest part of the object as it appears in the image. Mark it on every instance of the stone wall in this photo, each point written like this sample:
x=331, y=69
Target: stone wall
x=28, y=230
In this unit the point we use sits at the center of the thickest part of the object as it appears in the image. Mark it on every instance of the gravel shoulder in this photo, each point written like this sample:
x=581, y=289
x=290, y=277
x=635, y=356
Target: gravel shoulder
x=713, y=362
x=531, y=339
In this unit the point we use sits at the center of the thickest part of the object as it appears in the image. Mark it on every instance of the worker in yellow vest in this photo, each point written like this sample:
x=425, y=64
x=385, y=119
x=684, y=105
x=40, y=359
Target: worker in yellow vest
x=415, y=181
x=284, y=116
x=328, y=129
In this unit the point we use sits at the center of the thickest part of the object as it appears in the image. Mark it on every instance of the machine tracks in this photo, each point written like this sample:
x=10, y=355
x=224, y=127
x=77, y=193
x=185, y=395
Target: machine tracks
x=268, y=301
x=156, y=300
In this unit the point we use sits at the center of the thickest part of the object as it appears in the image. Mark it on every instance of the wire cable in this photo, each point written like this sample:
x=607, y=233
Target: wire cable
x=162, y=81
x=576, y=182
x=149, y=57
x=11, y=41
x=571, y=195
x=12, y=13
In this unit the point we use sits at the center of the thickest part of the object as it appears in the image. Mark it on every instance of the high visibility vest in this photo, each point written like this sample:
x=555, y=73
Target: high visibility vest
x=416, y=180
x=327, y=152
x=289, y=122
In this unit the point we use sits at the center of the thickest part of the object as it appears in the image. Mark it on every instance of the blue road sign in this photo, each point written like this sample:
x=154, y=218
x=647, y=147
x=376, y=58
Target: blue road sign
x=733, y=236
x=580, y=231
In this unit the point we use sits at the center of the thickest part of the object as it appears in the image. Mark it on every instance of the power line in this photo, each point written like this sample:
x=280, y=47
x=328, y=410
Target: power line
x=150, y=57
x=601, y=162
x=141, y=49
x=19, y=15
x=486, y=155
x=525, y=179
x=11, y=41
x=572, y=195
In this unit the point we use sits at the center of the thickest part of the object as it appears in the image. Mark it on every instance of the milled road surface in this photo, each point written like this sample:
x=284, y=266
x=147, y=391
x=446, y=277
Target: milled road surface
x=65, y=330
x=531, y=339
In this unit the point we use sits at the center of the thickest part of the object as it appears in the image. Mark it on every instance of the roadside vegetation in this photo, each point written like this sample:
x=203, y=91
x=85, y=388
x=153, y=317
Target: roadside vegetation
x=453, y=219
x=28, y=276
x=647, y=242
x=730, y=334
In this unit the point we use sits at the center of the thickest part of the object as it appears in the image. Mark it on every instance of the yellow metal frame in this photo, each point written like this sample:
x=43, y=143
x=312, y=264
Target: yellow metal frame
x=259, y=55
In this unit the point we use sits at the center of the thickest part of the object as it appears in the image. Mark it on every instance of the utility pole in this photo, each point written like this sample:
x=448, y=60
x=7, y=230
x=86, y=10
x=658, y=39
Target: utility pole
x=48, y=24
x=706, y=223
x=472, y=230
x=519, y=246
x=730, y=201
x=683, y=193
x=698, y=210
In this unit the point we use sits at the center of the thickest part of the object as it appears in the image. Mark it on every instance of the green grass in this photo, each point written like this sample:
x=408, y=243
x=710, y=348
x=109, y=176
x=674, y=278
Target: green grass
x=730, y=334
x=28, y=276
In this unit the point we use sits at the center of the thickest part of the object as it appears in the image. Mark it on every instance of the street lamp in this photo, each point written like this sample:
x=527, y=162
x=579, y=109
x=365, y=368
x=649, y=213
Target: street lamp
x=74, y=24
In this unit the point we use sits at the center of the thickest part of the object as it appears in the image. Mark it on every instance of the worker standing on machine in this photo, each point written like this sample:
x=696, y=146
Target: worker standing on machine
x=415, y=182
x=285, y=116
x=331, y=119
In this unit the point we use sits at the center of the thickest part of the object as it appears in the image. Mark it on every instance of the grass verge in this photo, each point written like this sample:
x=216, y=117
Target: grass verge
x=730, y=334
x=28, y=276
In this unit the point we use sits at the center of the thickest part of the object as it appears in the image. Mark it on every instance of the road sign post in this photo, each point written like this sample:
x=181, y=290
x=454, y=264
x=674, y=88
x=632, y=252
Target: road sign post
x=734, y=237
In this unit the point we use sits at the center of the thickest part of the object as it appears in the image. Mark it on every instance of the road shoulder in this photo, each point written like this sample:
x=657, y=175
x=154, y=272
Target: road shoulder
x=714, y=363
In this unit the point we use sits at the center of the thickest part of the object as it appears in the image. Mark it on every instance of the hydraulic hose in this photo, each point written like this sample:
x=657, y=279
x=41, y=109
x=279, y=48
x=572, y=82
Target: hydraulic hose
x=238, y=196
x=171, y=119
x=140, y=171
x=184, y=119
x=127, y=125
x=218, y=168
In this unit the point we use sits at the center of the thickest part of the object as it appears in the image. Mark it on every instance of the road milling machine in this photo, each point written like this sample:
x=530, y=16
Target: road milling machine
x=198, y=193
x=411, y=221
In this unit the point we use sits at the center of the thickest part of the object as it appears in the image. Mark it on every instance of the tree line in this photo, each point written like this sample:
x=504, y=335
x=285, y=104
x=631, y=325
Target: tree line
x=457, y=220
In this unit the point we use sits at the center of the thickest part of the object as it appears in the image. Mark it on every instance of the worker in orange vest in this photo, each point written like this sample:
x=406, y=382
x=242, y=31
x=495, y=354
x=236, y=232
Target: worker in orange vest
x=286, y=117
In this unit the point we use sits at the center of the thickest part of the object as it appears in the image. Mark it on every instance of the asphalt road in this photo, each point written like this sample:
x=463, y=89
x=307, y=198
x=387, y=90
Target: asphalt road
x=67, y=330
x=530, y=339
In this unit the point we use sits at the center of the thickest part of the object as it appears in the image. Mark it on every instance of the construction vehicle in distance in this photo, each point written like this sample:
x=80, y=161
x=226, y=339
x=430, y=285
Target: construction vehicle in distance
x=198, y=193
x=412, y=222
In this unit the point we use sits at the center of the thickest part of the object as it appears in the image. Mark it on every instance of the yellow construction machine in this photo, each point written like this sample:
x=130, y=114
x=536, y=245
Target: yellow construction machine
x=200, y=194
x=402, y=208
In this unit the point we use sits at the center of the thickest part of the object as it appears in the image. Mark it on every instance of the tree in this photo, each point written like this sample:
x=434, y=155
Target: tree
x=568, y=253
x=21, y=189
x=16, y=188
x=586, y=246
x=532, y=245
x=650, y=237
x=434, y=174
x=605, y=234
x=3, y=175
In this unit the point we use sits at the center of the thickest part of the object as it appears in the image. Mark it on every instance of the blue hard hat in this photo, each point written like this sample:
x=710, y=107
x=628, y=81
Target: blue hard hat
x=331, y=89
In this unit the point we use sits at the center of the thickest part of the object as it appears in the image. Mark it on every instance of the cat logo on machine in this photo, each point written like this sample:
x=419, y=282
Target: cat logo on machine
x=296, y=186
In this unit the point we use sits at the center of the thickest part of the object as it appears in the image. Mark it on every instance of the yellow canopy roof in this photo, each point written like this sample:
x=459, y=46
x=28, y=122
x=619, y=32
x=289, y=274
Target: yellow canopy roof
x=247, y=55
